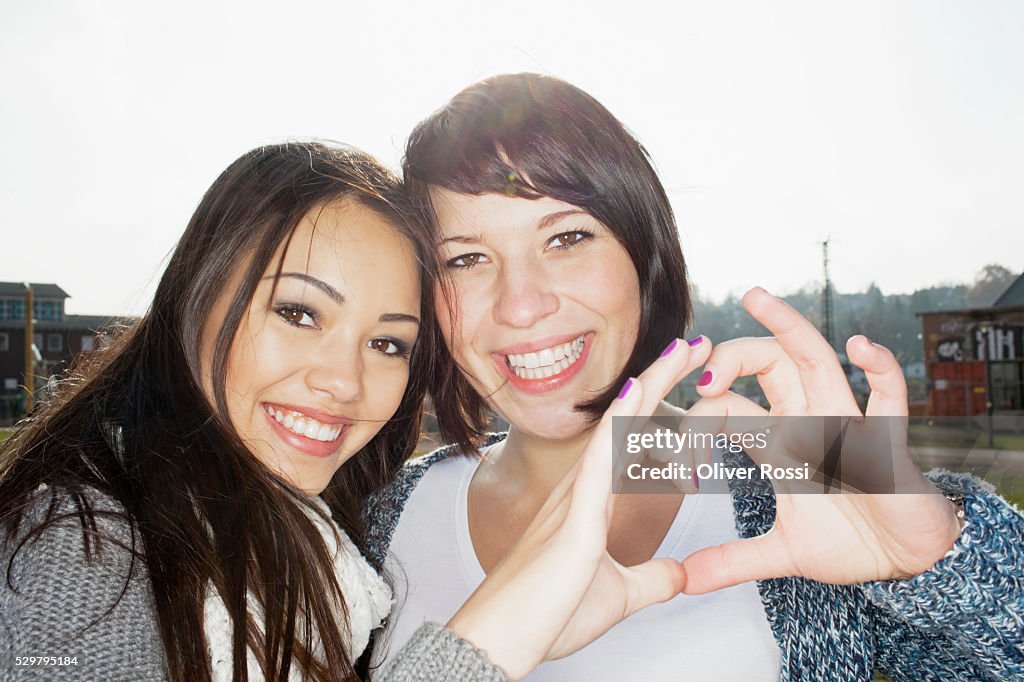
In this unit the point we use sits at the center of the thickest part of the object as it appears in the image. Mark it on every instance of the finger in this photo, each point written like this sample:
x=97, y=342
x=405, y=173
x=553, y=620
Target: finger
x=885, y=377
x=591, y=489
x=715, y=568
x=678, y=359
x=825, y=387
x=653, y=582
x=763, y=358
x=888, y=399
x=725, y=414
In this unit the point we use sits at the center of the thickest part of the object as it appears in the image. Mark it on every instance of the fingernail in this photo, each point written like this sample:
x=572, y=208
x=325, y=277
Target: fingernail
x=669, y=348
x=696, y=341
x=626, y=387
x=705, y=378
x=696, y=481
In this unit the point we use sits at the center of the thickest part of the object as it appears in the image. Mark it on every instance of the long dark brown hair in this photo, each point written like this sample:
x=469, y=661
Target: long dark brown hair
x=135, y=425
x=533, y=136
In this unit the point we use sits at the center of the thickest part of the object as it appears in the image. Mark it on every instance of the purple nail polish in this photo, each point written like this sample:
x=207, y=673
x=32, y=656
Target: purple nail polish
x=625, y=389
x=669, y=348
x=696, y=342
x=696, y=481
x=705, y=378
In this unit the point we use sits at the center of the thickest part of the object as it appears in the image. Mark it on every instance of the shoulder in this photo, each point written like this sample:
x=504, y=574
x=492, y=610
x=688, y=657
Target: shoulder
x=383, y=509
x=77, y=587
x=65, y=528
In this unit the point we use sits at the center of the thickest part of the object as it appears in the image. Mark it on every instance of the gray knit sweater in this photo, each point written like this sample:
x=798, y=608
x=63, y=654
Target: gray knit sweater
x=961, y=620
x=69, y=618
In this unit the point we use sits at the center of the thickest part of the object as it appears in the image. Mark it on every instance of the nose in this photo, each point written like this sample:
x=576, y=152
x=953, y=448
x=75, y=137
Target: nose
x=524, y=295
x=337, y=374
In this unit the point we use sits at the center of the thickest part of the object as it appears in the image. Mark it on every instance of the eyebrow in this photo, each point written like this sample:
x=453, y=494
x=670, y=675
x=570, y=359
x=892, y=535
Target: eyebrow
x=399, y=317
x=338, y=298
x=544, y=223
x=552, y=218
x=323, y=286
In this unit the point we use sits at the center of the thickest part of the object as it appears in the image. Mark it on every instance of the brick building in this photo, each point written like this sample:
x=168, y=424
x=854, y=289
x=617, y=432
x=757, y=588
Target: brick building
x=977, y=355
x=58, y=339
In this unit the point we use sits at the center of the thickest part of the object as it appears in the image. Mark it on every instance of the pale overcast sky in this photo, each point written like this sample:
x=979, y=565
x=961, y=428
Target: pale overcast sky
x=896, y=128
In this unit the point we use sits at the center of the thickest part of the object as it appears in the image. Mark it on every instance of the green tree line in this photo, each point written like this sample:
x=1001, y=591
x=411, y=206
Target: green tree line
x=888, y=319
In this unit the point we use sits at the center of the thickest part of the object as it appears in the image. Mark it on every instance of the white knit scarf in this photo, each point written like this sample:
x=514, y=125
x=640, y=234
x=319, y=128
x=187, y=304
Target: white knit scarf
x=367, y=597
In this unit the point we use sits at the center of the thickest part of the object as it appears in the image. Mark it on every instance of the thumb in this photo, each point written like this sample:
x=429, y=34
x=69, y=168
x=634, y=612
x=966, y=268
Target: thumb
x=653, y=582
x=714, y=568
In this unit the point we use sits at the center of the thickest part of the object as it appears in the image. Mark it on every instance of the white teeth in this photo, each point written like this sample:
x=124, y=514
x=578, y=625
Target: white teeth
x=546, y=362
x=305, y=425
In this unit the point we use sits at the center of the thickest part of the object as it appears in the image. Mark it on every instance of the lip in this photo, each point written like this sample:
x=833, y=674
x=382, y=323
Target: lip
x=546, y=384
x=540, y=344
x=309, y=446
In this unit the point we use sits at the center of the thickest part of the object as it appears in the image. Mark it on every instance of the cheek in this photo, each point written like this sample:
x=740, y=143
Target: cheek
x=613, y=291
x=388, y=389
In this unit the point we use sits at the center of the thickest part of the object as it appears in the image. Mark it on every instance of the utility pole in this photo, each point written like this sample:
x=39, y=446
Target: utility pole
x=827, y=321
x=30, y=383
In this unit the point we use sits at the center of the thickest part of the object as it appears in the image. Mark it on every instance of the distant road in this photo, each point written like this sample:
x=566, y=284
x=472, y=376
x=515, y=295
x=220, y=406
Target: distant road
x=981, y=461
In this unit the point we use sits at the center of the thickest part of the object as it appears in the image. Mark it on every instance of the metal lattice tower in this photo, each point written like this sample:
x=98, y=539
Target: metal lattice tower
x=827, y=322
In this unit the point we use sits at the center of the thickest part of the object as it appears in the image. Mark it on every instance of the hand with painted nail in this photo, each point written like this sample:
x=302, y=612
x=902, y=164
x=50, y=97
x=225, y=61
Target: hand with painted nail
x=839, y=539
x=558, y=588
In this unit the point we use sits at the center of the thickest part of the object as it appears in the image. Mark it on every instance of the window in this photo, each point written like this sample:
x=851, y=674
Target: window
x=88, y=342
x=12, y=309
x=5, y=342
x=54, y=342
x=48, y=310
x=1007, y=385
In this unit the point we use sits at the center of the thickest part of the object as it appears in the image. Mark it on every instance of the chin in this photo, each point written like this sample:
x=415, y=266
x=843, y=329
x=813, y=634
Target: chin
x=558, y=425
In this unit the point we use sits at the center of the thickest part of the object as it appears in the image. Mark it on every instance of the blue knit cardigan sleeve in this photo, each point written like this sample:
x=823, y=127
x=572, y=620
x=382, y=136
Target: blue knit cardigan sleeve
x=960, y=620
x=967, y=612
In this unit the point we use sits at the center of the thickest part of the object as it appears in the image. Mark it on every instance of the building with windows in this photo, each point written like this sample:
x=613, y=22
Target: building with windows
x=976, y=356
x=58, y=339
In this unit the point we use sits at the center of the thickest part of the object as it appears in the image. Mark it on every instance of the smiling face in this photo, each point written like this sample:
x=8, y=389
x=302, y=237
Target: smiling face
x=546, y=308
x=320, y=362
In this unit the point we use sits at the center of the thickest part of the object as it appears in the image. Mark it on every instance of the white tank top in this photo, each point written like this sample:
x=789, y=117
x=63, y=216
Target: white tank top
x=719, y=636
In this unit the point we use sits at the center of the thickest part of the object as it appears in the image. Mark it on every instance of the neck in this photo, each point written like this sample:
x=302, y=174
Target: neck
x=540, y=463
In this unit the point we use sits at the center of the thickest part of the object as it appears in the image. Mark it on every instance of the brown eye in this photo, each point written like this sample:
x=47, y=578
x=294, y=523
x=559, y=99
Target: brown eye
x=296, y=315
x=567, y=240
x=466, y=261
x=387, y=346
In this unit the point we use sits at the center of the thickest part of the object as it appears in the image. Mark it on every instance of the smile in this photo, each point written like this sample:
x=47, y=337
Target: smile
x=304, y=425
x=547, y=362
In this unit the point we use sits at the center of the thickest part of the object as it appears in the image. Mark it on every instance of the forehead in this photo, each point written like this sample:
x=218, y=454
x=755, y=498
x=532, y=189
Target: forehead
x=456, y=211
x=353, y=247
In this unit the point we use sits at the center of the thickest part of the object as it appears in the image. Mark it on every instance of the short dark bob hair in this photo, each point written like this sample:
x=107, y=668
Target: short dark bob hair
x=533, y=136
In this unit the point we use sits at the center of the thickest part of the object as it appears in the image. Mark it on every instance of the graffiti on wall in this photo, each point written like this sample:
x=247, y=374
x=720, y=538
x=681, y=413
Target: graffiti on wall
x=960, y=341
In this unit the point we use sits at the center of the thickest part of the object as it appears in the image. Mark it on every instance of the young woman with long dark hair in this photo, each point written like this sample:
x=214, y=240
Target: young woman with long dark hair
x=562, y=275
x=187, y=506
